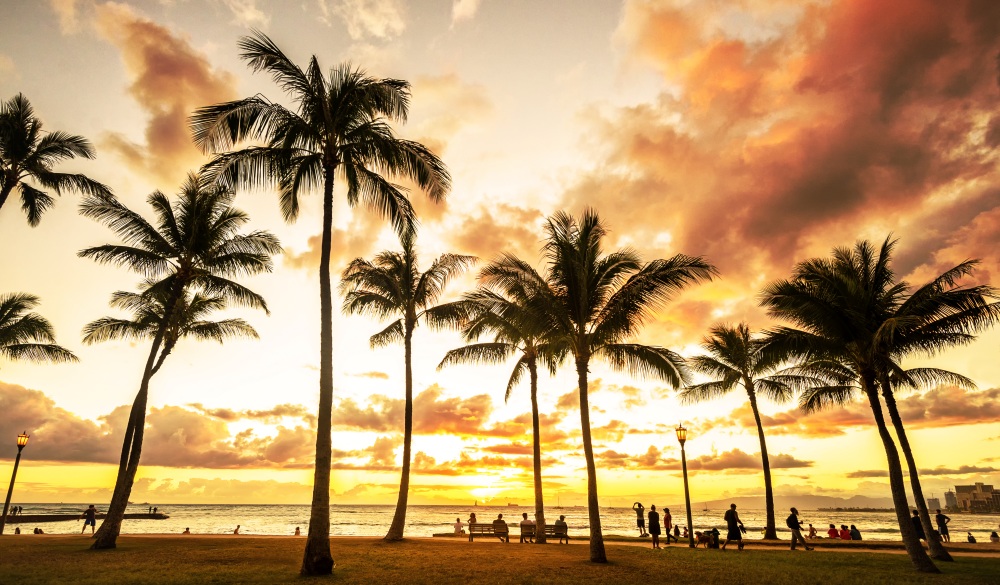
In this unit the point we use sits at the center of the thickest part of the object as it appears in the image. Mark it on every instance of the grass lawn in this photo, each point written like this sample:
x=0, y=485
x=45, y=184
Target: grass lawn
x=27, y=559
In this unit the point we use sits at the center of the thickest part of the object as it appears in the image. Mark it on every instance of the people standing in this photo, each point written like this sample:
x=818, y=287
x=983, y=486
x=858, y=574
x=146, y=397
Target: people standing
x=918, y=526
x=640, y=519
x=734, y=527
x=795, y=525
x=89, y=519
x=668, y=525
x=654, y=526
x=942, y=525
x=472, y=519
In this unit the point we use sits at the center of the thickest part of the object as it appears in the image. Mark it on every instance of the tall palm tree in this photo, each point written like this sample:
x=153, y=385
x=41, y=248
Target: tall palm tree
x=25, y=335
x=593, y=303
x=340, y=128
x=195, y=247
x=736, y=358
x=841, y=306
x=26, y=152
x=189, y=320
x=392, y=286
x=504, y=310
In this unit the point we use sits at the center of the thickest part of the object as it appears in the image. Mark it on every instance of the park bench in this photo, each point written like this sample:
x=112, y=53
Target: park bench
x=528, y=531
x=489, y=529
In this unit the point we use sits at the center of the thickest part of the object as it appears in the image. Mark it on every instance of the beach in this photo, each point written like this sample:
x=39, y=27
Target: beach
x=30, y=559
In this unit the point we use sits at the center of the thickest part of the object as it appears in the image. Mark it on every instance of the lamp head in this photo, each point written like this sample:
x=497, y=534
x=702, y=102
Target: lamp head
x=22, y=440
x=682, y=434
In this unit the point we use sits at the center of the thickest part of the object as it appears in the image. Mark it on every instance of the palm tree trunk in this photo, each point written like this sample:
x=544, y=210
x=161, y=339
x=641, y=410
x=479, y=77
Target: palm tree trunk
x=597, y=554
x=536, y=449
x=770, y=532
x=399, y=518
x=918, y=556
x=937, y=549
x=317, y=559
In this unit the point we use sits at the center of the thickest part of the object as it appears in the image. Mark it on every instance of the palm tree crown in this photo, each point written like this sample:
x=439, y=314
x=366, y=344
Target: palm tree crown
x=26, y=152
x=25, y=335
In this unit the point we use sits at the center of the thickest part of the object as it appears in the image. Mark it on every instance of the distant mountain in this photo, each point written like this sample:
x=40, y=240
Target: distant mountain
x=782, y=503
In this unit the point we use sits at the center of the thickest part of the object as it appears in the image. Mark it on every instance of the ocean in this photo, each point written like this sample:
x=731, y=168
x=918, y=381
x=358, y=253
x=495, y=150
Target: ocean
x=426, y=520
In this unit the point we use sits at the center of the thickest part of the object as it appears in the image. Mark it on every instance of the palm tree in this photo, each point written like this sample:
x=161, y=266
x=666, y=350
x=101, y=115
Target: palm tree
x=25, y=335
x=188, y=320
x=392, y=286
x=194, y=248
x=340, y=129
x=736, y=358
x=504, y=311
x=842, y=306
x=26, y=152
x=593, y=304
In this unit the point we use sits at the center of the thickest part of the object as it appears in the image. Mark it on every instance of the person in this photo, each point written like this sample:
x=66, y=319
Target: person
x=562, y=529
x=459, y=527
x=668, y=524
x=154, y=509
x=968, y=537
x=40, y=531
x=149, y=510
x=297, y=531
x=500, y=529
x=677, y=533
x=686, y=532
x=832, y=532
x=845, y=533
x=186, y=531
x=640, y=518
x=17, y=530
x=855, y=533
x=472, y=519
x=994, y=537
x=654, y=526
x=812, y=532
x=917, y=526
x=90, y=519
x=795, y=525
x=714, y=540
x=525, y=521
x=237, y=531
x=733, y=527
x=942, y=525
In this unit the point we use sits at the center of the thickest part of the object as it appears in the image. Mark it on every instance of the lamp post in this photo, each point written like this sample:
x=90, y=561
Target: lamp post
x=682, y=435
x=22, y=440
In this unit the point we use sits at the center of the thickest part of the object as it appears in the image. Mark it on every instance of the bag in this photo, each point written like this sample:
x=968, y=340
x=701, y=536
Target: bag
x=743, y=529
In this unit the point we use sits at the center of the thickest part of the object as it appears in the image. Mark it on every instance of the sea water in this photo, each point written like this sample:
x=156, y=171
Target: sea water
x=357, y=520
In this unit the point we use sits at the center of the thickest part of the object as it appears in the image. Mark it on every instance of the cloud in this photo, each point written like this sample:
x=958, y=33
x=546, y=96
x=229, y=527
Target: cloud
x=373, y=375
x=961, y=470
x=462, y=10
x=499, y=228
x=444, y=106
x=66, y=10
x=368, y=19
x=358, y=239
x=271, y=415
x=246, y=13
x=735, y=461
x=169, y=80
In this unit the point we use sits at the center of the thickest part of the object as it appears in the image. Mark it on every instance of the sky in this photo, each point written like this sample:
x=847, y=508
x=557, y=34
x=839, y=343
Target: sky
x=754, y=133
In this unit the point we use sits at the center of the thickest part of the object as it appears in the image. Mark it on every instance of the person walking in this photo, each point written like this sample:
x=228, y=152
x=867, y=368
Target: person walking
x=640, y=519
x=942, y=525
x=654, y=526
x=668, y=525
x=795, y=525
x=734, y=527
x=89, y=519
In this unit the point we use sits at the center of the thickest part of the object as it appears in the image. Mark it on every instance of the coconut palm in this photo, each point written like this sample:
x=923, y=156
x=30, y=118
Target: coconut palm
x=339, y=129
x=736, y=358
x=26, y=152
x=25, y=335
x=841, y=306
x=392, y=286
x=504, y=310
x=195, y=248
x=188, y=320
x=593, y=304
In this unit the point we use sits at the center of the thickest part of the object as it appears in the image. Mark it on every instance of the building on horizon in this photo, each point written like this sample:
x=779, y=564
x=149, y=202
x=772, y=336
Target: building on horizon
x=933, y=503
x=979, y=498
x=951, y=501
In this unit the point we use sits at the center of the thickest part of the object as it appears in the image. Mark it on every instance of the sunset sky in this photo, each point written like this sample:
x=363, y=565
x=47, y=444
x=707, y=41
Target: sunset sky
x=754, y=133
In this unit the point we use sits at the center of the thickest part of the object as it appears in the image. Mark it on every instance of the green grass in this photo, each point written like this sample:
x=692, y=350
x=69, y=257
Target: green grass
x=28, y=559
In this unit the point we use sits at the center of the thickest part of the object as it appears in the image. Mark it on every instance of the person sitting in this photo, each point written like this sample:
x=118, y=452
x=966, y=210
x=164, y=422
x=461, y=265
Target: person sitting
x=237, y=531
x=845, y=534
x=500, y=529
x=297, y=531
x=970, y=538
x=714, y=533
x=832, y=532
x=562, y=530
x=855, y=533
x=40, y=531
x=812, y=532
x=527, y=528
x=459, y=527
x=994, y=537
x=17, y=530
x=186, y=531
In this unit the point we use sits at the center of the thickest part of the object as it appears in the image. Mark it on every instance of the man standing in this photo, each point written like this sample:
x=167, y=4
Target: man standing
x=89, y=518
x=795, y=526
x=918, y=526
x=640, y=518
x=734, y=527
x=942, y=524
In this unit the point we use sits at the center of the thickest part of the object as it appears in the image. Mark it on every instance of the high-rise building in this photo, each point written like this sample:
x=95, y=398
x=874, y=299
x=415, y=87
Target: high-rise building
x=933, y=504
x=974, y=498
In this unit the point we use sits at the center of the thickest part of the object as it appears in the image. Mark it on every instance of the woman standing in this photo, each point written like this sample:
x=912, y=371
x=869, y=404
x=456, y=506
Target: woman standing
x=654, y=526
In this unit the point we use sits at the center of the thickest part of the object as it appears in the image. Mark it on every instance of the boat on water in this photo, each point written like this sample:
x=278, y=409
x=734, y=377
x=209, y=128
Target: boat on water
x=512, y=505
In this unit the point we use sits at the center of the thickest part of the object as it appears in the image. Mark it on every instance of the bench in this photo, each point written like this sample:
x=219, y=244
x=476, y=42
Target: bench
x=489, y=529
x=528, y=531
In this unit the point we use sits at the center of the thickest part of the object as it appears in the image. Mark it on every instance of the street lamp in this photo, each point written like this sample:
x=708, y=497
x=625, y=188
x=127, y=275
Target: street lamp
x=22, y=440
x=682, y=435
